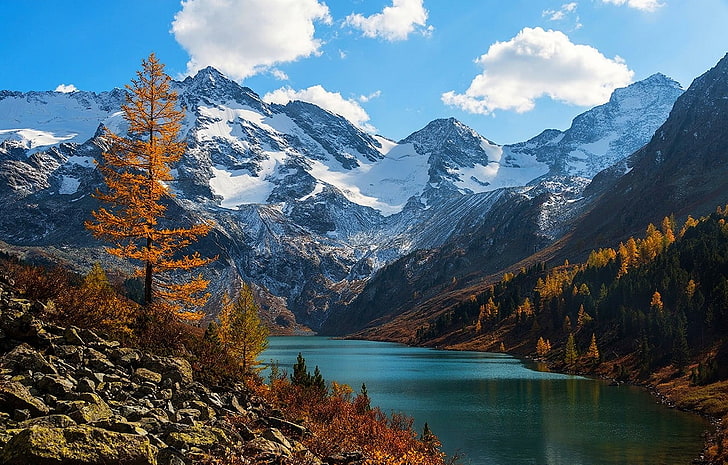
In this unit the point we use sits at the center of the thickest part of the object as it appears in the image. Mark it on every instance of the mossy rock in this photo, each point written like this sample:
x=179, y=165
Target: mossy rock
x=77, y=445
x=199, y=436
x=89, y=409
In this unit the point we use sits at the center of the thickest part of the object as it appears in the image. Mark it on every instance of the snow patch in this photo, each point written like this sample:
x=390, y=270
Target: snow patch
x=34, y=138
x=238, y=187
x=43, y=119
x=316, y=191
x=69, y=185
x=87, y=162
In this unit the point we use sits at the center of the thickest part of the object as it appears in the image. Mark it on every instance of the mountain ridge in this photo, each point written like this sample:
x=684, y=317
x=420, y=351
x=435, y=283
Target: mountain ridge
x=309, y=206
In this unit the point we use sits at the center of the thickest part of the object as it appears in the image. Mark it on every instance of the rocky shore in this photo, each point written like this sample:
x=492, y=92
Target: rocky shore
x=70, y=396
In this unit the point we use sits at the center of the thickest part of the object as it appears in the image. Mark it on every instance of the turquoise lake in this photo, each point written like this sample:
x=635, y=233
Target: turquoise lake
x=495, y=410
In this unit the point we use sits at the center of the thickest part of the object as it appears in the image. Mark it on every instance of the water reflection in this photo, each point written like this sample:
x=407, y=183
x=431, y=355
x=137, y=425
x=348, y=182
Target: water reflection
x=497, y=411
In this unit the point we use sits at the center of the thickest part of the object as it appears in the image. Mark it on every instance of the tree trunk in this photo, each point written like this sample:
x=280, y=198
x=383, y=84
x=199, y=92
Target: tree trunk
x=148, y=277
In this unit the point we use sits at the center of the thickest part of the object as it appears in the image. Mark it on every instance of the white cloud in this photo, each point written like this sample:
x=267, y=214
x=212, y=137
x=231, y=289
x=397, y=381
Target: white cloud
x=331, y=101
x=561, y=13
x=644, y=5
x=242, y=38
x=395, y=22
x=278, y=74
x=373, y=95
x=65, y=88
x=538, y=63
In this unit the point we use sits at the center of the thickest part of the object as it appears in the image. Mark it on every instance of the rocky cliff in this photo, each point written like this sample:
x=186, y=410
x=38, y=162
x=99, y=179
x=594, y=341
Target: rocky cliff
x=70, y=396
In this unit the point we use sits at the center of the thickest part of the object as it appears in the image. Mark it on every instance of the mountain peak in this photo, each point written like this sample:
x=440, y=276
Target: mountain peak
x=210, y=73
x=656, y=84
x=444, y=130
x=209, y=83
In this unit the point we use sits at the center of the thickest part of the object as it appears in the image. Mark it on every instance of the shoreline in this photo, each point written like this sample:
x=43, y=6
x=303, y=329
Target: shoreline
x=712, y=434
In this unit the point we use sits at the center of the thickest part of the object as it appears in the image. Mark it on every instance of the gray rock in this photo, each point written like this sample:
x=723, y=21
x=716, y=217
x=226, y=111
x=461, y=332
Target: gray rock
x=86, y=385
x=56, y=385
x=296, y=430
x=21, y=414
x=14, y=395
x=98, y=361
x=89, y=409
x=26, y=358
x=125, y=356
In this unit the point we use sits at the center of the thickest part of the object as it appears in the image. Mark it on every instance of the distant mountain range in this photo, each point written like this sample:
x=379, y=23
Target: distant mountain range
x=681, y=171
x=323, y=218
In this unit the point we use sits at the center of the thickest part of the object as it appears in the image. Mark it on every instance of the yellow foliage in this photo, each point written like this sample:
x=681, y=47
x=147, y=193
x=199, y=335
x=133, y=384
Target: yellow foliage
x=600, y=258
x=656, y=302
x=553, y=285
x=593, y=352
x=137, y=173
x=241, y=332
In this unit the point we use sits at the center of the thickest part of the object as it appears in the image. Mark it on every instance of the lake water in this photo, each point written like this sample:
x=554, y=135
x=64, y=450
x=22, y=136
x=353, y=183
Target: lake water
x=495, y=410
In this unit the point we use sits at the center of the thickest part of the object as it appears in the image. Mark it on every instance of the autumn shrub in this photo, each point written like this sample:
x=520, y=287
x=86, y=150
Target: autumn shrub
x=213, y=364
x=96, y=305
x=342, y=422
x=157, y=329
x=38, y=282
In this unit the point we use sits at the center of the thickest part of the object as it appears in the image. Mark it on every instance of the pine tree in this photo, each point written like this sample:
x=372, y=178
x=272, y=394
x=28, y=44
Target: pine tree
x=96, y=279
x=303, y=378
x=300, y=375
x=570, y=354
x=241, y=331
x=593, y=352
x=567, y=324
x=136, y=171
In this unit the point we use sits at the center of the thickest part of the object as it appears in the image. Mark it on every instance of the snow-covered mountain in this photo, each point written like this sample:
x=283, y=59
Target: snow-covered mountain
x=606, y=134
x=308, y=206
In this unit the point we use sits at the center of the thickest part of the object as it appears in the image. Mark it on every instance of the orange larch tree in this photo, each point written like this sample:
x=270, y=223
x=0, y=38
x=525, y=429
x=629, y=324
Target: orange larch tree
x=136, y=171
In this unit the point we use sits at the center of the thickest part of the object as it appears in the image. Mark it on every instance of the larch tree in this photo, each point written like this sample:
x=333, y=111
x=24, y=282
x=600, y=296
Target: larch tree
x=136, y=171
x=593, y=352
x=570, y=353
x=241, y=332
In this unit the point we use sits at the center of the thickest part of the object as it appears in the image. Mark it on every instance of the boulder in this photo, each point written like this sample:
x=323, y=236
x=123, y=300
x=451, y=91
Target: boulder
x=198, y=436
x=77, y=445
x=125, y=356
x=174, y=369
x=72, y=337
x=20, y=324
x=24, y=357
x=56, y=385
x=144, y=374
x=89, y=408
x=14, y=395
x=56, y=421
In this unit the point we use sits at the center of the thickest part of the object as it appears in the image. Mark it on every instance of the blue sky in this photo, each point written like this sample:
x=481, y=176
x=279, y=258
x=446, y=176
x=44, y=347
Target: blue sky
x=507, y=68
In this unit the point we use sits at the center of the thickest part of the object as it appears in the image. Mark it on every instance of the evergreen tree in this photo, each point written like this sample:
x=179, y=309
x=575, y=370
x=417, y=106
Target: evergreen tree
x=303, y=378
x=582, y=317
x=300, y=375
x=570, y=353
x=656, y=302
x=136, y=171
